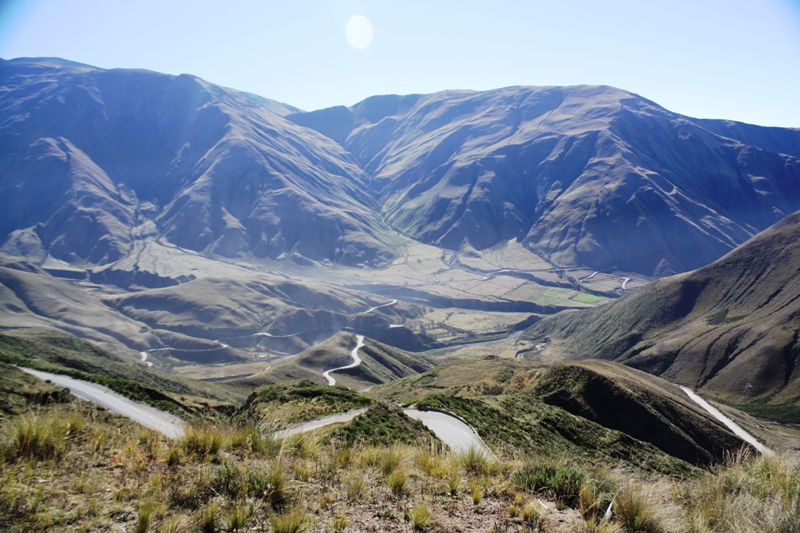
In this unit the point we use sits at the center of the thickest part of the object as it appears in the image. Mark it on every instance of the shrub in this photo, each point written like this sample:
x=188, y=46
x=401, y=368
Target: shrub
x=563, y=483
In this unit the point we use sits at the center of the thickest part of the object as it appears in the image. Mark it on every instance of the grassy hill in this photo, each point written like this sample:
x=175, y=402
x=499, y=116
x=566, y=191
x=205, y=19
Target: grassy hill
x=68, y=466
x=588, y=409
x=729, y=329
x=54, y=351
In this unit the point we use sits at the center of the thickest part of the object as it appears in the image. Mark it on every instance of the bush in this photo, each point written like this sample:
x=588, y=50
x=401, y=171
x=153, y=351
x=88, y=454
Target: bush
x=563, y=483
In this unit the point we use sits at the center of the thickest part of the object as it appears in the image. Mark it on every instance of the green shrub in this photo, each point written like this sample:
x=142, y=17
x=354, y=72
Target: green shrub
x=563, y=483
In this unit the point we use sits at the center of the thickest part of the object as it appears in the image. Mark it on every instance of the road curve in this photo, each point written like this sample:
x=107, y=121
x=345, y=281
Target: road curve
x=458, y=435
x=355, y=363
x=730, y=424
x=302, y=427
x=168, y=424
x=371, y=309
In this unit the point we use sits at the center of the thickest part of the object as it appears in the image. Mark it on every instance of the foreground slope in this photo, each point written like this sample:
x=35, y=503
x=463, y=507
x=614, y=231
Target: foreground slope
x=585, y=175
x=96, y=160
x=730, y=329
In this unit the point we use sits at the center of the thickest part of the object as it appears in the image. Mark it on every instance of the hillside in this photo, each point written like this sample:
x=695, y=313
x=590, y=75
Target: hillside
x=94, y=161
x=60, y=353
x=729, y=329
x=585, y=175
x=578, y=409
x=380, y=363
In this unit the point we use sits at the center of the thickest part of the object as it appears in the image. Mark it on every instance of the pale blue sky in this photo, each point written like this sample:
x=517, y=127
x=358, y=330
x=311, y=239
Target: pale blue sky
x=730, y=59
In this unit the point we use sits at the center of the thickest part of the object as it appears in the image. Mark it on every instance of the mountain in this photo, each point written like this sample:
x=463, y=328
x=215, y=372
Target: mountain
x=585, y=175
x=729, y=329
x=92, y=161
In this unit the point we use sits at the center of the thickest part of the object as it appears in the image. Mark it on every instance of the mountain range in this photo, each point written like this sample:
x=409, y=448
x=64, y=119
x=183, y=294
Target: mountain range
x=93, y=160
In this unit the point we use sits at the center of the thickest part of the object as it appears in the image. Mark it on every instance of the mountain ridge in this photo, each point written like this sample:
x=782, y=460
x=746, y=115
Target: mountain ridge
x=97, y=160
x=442, y=186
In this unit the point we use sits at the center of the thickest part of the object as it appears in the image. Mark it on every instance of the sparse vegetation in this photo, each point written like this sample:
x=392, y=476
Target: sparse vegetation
x=220, y=478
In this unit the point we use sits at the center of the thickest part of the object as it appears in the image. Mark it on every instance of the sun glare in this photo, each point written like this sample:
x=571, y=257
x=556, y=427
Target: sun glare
x=358, y=31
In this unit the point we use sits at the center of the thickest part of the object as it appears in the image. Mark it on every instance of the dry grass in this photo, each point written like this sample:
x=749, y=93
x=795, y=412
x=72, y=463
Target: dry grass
x=73, y=468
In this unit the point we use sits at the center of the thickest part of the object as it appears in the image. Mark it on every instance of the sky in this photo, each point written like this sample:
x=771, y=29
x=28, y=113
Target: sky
x=730, y=59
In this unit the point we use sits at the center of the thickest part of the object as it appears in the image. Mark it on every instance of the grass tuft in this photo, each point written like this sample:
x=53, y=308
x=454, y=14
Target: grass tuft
x=397, y=481
x=295, y=521
x=475, y=460
x=36, y=438
x=635, y=511
x=419, y=516
x=202, y=442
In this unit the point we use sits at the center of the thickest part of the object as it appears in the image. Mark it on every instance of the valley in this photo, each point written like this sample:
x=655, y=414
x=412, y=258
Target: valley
x=539, y=307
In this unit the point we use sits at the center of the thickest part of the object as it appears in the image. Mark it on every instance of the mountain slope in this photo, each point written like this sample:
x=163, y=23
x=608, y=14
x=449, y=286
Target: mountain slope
x=585, y=175
x=597, y=405
x=730, y=328
x=92, y=160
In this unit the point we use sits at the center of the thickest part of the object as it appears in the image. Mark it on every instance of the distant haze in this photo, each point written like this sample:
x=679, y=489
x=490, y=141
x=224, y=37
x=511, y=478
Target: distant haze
x=715, y=59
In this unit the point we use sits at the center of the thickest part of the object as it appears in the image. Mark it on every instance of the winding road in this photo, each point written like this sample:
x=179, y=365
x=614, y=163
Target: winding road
x=355, y=363
x=730, y=424
x=150, y=417
x=302, y=427
x=221, y=345
x=456, y=433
